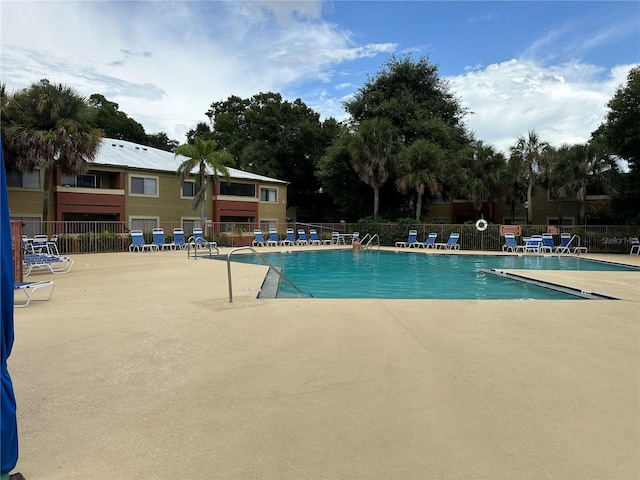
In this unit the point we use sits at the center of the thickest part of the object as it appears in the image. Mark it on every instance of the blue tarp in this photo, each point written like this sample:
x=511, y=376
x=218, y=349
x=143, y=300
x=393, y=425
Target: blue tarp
x=9, y=437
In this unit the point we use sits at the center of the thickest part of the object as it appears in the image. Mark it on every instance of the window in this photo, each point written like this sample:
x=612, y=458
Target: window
x=188, y=224
x=268, y=194
x=266, y=224
x=82, y=181
x=188, y=189
x=24, y=179
x=144, y=186
x=565, y=221
x=516, y=221
x=144, y=224
x=238, y=189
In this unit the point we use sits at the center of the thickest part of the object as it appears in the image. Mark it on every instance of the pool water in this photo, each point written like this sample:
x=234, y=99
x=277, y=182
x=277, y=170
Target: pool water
x=404, y=275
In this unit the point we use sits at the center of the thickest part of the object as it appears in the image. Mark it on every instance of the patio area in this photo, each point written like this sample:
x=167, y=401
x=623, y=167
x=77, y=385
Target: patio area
x=139, y=367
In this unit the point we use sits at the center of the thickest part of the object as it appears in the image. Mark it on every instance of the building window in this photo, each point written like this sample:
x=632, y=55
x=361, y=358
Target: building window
x=82, y=181
x=188, y=189
x=268, y=194
x=238, y=189
x=188, y=224
x=267, y=223
x=144, y=224
x=516, y=221
x=144, y=186
x=24, y=179
x=567, y=221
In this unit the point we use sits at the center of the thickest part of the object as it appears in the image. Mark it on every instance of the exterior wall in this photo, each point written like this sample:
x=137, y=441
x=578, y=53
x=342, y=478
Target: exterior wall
x=274, y=210
x=166, y=204
x=25, y=202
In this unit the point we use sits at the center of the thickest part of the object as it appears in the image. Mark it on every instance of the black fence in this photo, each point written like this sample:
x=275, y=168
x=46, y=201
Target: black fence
x=95, y=237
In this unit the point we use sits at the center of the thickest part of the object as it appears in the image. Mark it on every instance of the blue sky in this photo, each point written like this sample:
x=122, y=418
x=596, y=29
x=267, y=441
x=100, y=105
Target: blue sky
x=547, y=66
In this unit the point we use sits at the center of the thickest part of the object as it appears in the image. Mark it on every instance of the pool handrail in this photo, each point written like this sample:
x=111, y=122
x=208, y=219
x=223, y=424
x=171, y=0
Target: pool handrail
x=368, y=239
x=265, y=261
x=577, y=250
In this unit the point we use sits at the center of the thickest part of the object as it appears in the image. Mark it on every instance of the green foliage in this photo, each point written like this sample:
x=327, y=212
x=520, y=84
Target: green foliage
x=48, y=126
x=117, y=124
x=275, y=138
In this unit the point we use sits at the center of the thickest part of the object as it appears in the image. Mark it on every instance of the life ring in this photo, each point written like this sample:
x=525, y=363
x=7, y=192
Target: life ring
x=481, y=225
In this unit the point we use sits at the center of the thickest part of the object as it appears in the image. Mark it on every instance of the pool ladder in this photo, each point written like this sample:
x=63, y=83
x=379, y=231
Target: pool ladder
x=577, y=250
x=266, y=262
x=368, y=239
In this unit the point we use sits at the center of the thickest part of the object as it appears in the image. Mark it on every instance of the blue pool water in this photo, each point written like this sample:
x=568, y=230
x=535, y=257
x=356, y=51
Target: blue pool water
x=403, y=275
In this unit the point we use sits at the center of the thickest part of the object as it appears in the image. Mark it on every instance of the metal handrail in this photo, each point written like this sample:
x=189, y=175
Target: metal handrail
x=370, y=239
x=576, y=250
x=266, y=262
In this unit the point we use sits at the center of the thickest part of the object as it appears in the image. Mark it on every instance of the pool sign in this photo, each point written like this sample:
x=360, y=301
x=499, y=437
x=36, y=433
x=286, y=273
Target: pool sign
x=515, y=229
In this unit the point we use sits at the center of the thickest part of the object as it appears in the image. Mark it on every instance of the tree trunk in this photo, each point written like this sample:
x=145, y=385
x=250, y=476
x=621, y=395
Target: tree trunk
x=419, y=207
x=49, y=170
x=376, y=201
x=529, y=205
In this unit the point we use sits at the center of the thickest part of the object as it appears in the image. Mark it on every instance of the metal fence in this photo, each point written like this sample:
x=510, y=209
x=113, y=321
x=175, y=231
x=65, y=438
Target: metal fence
x=94, y=237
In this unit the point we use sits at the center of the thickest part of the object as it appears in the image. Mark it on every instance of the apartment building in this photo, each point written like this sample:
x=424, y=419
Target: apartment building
x=140, y=187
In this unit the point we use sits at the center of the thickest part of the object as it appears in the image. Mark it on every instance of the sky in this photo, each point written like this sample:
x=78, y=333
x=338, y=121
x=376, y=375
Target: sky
x=516, y=66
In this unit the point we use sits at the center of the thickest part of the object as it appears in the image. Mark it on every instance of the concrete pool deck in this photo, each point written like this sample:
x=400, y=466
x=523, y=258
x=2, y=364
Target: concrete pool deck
x=140, y=368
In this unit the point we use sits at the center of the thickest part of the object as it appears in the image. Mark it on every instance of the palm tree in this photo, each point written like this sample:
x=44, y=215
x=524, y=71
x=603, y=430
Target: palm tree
x=480, y=176
x=531, y=155
x=49, y=126
x=372, y=149
x=203, y=155
x=421, y=165
x=577, y=167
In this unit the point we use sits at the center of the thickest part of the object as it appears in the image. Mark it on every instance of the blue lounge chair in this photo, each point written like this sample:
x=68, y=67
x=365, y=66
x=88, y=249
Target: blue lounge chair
x=302, y=238
x=567, y=245
x=159, y=241
x=452, y=243
x=355, y=236
x=291, y=238
x=509, y=242
x=29, y=290
x=178, y=239
x=42, y=261
x=52, y=245
x=197, y=240
x=548, y=244
x=316, y=240
x=411, y=240
x=430, y=241
x=337, y=238
x=532, y=244
x=635, y=246
x=258, y=239
x=273, y=238
x=137, y=243
x=39, y=244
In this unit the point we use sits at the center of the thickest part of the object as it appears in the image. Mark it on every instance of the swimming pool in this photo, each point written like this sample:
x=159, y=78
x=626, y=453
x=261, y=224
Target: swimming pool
x=342, y=273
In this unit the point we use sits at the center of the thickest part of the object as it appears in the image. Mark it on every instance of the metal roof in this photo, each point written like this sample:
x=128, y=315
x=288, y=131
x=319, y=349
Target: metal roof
x=121, y=153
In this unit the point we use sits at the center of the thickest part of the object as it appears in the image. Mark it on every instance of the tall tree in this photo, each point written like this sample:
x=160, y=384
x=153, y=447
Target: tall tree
x=480, y=175
x=270, y=136
x=620, y=133
x=531, y=155
x=210, y=161
x=49, y=126
x=372, y=150
x=113, y=122
x=577, y=168
x=421, y=167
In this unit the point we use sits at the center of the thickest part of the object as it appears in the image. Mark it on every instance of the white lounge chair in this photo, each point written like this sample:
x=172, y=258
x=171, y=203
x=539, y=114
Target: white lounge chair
x=29, y=290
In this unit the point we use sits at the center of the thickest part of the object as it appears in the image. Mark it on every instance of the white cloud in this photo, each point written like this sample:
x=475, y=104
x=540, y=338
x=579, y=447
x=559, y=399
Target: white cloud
x=563, y=104
x=164, y=63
